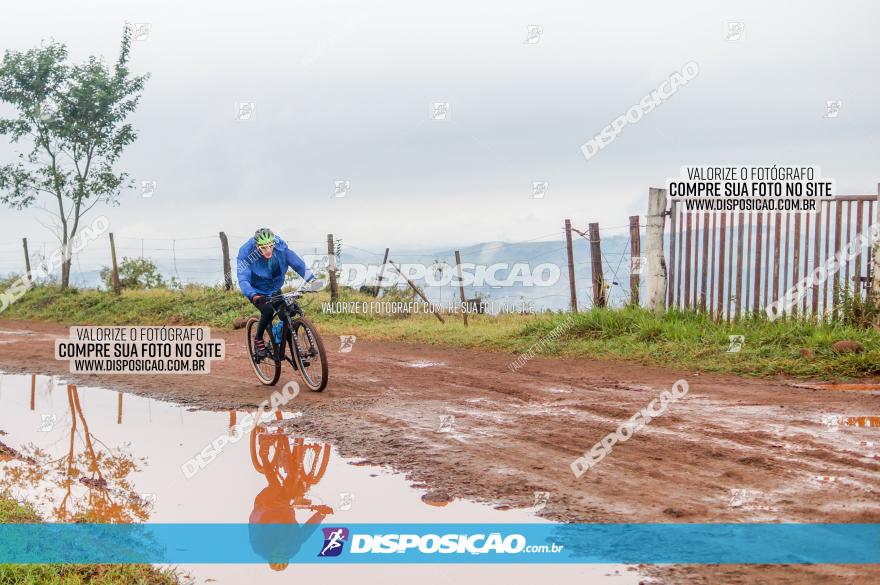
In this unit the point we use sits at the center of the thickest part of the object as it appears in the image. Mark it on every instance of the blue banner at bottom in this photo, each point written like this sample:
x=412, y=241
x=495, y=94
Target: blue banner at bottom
x=441, y=543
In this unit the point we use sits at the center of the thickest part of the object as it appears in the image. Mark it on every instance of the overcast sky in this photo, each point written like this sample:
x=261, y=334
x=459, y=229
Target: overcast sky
x=343, y=91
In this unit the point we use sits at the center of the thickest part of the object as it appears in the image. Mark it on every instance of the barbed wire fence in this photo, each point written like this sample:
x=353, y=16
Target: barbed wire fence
x=199, y=260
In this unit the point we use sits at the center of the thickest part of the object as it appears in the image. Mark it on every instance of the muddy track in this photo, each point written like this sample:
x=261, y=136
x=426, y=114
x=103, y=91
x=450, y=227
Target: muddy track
x=732, y=450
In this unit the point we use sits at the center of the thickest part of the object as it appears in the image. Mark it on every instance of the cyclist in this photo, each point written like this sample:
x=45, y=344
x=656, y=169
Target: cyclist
x=262, y=263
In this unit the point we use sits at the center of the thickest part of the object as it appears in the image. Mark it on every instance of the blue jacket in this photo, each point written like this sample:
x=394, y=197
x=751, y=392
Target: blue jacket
x=259, y=276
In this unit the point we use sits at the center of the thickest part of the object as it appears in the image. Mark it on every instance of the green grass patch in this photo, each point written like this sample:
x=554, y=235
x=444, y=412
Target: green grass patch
x=677, y=338
x=13, y=512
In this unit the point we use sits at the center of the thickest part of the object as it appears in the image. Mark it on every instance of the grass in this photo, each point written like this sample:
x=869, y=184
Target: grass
x=13, y=512
x=683, y=339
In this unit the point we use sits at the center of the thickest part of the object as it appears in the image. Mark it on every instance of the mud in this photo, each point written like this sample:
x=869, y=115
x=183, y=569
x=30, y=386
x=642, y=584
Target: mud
x=459, y=423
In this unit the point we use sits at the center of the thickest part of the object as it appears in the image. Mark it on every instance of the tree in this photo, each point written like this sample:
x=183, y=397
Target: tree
x=71, y=121
x=135, y=274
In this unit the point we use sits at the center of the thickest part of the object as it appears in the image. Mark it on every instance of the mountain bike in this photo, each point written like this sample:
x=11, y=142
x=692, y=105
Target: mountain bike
x=300, y=344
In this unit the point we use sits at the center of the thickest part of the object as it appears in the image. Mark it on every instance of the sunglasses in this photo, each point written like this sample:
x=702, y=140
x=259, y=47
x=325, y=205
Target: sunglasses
x=266, y=246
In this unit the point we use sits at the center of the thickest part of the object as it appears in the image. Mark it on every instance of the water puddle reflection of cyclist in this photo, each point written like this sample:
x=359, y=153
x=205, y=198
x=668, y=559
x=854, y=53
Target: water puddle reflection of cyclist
x=291, y=467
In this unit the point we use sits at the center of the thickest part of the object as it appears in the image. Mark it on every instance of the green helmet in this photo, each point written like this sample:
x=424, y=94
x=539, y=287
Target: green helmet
x=264, y=236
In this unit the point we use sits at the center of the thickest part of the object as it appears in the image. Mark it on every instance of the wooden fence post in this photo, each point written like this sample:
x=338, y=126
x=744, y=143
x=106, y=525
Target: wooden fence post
x=835, y=285
x=817, y=240
x=713, y=276
x=656, y=222
x=571, y=286
x=860, y=215
x=777, y=258
x=331, y=269
x=381, y=272
x=722, y=248
x=704, y=273
x=27, y=260
x=461, y=286
x=767, y=260
x=635, y=252
x=596, y=267
x=227, y=269
x=673, y=268
x=687, y=259
x=796, y=261
x=759, y=232
x=741, y=231
x=874, y=266
x=116, y=287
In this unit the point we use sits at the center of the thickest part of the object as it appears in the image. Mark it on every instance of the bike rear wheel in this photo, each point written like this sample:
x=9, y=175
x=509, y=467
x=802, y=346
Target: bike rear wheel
x=267, y=369
x=311, y=359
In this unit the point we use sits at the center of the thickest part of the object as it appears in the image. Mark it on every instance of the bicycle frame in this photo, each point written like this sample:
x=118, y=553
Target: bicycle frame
x=286, y=314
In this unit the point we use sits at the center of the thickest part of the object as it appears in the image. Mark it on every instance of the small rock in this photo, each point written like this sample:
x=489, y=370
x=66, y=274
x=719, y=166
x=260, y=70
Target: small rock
x=437, y=498
x=239, y=323
x=848, y=346
x=808, y=353
x=674, y=512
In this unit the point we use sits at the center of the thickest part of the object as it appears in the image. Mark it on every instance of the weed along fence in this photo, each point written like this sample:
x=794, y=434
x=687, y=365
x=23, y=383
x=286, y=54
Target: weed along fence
x=730, y=264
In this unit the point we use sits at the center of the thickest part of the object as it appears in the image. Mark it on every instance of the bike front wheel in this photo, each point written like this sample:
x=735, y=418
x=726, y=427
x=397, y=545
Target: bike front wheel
x=309, y=354
x=267, y=369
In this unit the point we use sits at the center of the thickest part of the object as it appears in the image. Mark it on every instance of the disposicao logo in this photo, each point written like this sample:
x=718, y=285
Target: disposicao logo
x=334, y=541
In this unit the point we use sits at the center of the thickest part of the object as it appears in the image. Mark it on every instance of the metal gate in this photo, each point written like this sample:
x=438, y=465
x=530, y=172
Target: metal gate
x=734, y=263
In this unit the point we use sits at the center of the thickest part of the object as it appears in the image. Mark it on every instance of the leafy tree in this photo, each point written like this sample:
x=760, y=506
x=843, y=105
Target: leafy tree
x=134, y=273
x=71, y=123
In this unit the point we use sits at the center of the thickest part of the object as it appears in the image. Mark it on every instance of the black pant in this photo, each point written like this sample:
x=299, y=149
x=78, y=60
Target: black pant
x=267, y=311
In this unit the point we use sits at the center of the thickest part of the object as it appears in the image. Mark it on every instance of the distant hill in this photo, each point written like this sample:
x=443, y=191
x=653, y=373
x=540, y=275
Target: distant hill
x=208, y=270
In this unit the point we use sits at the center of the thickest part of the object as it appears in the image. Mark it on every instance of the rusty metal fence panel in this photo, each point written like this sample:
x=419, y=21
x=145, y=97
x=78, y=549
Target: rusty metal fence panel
x=730, y=264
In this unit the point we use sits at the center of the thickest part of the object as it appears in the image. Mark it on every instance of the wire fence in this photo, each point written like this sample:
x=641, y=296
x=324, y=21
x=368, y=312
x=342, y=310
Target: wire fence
x=725, y=264
x=525, y=275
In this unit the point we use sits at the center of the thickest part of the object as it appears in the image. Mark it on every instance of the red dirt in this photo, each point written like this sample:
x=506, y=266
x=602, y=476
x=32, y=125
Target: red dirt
x=732, y=450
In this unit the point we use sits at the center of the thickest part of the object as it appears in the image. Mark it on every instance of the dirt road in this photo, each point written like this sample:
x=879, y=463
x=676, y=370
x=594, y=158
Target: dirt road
x=731, y=450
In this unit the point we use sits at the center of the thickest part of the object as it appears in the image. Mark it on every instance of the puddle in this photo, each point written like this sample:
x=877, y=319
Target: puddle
x=10, y=336
x=842, y=387
x=105, y=456
x=423, y=364
x=753, y=500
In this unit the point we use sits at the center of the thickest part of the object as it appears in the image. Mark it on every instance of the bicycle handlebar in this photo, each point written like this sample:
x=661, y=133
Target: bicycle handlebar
x=290, y=296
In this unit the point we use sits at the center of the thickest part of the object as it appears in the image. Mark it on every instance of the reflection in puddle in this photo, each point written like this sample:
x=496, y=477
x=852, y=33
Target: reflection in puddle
x=291, y=466
x=860, y=421
x=92, y=454
x=834, y=422
x=91, y=477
